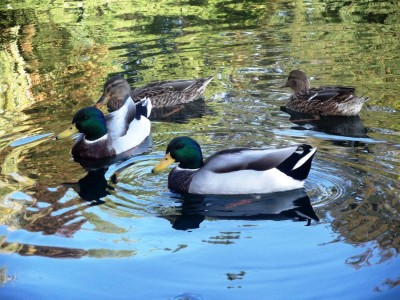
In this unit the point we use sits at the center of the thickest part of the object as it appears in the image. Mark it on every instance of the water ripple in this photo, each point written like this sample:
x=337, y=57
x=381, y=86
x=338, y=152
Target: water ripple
x=328, y=182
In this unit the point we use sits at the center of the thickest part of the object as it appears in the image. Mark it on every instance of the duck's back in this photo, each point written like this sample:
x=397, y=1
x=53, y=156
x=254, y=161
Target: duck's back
x=327, y=101
x=249, y=171
x=171, y=92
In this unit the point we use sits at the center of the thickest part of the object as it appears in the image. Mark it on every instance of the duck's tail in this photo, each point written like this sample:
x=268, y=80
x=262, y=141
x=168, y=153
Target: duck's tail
x=143, y=108
x=199, y=86
x=298, y=165
x=207, y=80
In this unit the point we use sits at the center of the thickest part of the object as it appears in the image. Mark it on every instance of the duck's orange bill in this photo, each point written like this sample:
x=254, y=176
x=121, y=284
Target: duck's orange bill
x=67, y=132
x=163, y=164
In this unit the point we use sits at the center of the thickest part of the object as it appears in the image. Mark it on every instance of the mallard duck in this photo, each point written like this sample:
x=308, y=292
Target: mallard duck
x=107, y=136
x=161, y=93
x=322, y=101
x=235, y=171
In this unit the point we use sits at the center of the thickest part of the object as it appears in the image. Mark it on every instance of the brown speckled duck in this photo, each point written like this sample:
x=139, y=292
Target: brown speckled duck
x=322, y=101
x=161, y=93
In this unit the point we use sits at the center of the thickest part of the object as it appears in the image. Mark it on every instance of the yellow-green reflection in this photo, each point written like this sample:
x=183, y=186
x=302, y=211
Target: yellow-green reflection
x=60, y=252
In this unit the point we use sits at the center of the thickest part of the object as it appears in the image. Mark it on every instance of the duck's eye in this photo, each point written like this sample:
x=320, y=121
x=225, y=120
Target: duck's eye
x=85, y=118
x=179, y=146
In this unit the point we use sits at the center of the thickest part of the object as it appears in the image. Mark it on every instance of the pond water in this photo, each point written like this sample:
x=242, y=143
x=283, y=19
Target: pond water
x=337, y=238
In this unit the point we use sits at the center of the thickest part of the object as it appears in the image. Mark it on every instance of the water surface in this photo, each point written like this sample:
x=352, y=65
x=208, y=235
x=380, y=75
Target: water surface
x=73, y=234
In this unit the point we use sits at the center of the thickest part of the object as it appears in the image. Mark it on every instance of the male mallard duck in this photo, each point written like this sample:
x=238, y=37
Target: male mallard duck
x=107, y=136
x=161, y=94
x=325, y=101
x=235, y=171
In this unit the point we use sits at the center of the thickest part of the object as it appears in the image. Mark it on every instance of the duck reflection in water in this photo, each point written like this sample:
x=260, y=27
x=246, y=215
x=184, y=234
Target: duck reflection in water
x=93, y=186
x=290, y=205
x=350, y=128
x=181, y=113
x=334, y=125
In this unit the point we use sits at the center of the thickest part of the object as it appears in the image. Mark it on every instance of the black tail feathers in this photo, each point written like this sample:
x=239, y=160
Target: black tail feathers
x=298, y=165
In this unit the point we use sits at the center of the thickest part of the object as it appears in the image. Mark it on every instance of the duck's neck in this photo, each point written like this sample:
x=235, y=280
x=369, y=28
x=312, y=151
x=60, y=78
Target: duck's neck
x=194, y=163
x=302, y=86
x=96, y=132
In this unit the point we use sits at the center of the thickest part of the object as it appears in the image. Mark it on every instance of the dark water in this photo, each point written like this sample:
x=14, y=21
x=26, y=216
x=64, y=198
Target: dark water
x=337, y=238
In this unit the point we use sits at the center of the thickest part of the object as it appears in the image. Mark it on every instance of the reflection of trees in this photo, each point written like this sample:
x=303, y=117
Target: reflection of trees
x=382, y=12
x=373, y=222
x=60, y=212
x=50, y=221
x=15, y=83
x=60, y=252
x=177, y=32
x=47, y=251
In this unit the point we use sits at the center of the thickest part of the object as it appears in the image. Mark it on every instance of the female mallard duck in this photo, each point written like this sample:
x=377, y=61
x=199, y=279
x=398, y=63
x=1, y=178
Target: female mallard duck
x=235, y=171
x=161, y=94
x=107, y=136
x=322, y=101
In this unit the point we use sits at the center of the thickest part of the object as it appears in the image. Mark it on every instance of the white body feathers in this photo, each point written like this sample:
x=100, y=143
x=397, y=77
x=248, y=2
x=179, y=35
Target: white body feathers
x=243, y=182
x=249, y=171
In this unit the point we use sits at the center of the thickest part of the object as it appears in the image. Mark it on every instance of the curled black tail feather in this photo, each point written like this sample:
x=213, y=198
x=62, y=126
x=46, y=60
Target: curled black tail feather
x=141, y=110
x=301, y=172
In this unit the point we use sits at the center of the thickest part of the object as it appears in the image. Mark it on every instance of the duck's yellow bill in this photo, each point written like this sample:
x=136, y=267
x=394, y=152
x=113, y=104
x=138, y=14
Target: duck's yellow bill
x=67, y=132
x=163, y=164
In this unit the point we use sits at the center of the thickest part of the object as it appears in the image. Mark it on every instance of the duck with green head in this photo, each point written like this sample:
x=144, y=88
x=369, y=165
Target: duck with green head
x=235, y=171
x=104, y=136
x=322, y=101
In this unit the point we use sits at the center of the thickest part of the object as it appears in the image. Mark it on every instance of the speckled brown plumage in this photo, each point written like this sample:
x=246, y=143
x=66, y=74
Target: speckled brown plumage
x=168, y=93
x=324, y=101
x=161, y=93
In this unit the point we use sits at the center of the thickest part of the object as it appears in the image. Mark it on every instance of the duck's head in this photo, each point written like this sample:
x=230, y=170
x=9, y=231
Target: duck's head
x=89, y=121
x=298, y=81
x=116, y=91
x=184, y=150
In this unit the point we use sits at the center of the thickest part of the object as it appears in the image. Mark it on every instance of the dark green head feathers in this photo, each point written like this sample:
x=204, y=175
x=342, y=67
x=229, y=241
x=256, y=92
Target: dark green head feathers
x=186, y=151
x=90, y=121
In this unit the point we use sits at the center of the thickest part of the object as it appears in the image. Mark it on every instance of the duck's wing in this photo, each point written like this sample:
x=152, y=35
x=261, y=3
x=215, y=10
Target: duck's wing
x=195, y=84
x=177, y=85
x=169, y=86
x=118, y=121
x=232, y=160
x=293, y=161
x=159, y=88
x=330, y=93
x=137, y=132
